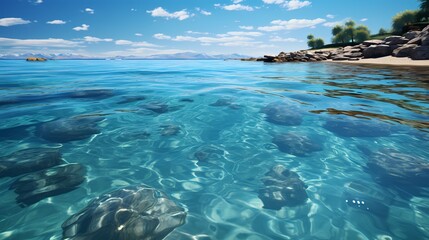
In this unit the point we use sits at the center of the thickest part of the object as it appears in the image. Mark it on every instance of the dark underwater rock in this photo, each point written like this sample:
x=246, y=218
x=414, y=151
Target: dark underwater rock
x=139, y=212
x=362, y=197
x=130, y=99
x=186, y=100
x=29, y=160
x=37, y=186
x=282, y=114
x=207, y=153
x=282, y=187
x=91, y=93
x=346, y=127
x=296, y=144
x=156, y=107
x=69, y=129
x=169, y=130
x=392, y=168
x=222, y=102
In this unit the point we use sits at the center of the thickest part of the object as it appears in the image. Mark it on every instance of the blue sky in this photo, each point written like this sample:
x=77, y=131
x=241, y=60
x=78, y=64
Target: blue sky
x=145, y=27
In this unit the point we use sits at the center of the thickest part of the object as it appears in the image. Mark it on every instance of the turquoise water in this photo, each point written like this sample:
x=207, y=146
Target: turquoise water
x=201, y=131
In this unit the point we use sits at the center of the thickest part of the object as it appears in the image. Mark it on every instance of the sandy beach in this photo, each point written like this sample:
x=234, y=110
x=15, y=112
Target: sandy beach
x=388, y=61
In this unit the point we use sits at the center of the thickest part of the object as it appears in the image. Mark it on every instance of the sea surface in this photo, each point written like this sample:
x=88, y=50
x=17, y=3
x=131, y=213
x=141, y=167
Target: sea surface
x=206, y=133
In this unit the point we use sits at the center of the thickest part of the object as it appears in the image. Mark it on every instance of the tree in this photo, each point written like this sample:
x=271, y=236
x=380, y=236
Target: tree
x=402, y=19
x=315, y=42
x=382, y=31
x=349, y=32
x=311, y=41
x=361, y=35
x=423, y=13
x=337, y=29
x=318, y=43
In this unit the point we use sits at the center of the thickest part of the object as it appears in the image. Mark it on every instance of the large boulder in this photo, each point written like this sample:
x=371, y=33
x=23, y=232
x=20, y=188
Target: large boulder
x=282, y=187
x=375, y=51
x=425, y=40
x=420, y=53
x=404, y=51
x=373, y=42
x=133, y=212
x=394, y=40
x=411, y=34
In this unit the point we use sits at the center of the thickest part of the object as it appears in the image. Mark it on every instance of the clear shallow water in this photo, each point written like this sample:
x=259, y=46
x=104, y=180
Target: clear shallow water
x=214, y=164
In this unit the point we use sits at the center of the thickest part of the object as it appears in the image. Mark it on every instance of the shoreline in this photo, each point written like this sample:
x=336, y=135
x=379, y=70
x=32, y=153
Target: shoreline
x=388, y=61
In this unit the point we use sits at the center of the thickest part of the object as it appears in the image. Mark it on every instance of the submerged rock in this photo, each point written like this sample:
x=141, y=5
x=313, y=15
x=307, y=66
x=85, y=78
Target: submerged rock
x=139, y=212
x=92, y=93
x=393, y=168
x=222, y=102
x=29, y=160
x=37, y=186
x=169, y=130
x=347, y=127
x=130, y=99
x=296, y=144
x=208, y=153
x=69, y=129
x=282, y=187
x=156, y=107
x=282, y=114
x=362, y=197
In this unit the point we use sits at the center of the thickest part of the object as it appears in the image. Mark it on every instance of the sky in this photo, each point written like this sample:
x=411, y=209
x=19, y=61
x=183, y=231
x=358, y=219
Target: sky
x=106, y=28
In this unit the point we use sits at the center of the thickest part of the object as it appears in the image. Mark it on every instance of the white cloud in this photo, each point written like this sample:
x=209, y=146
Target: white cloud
x=279, y=39
x=84, y=27
x=138, y=34
x=235, y=7
x=273, y=1
x=290, y=5
x=56, y=22
x=250, y=34
x=278, y=25
x=135, y=44
x=236, y=1
x=96, y=39
x=200, y=33
x=133, y=10
x=364, y=19
x=6, y=22
x=161, y=36
x=203, y=11
x=246, y=27
x=38, y=2
x=330, y=16
x=296, y=4
x=89, y=10
x=160, y=12
x=50, y=42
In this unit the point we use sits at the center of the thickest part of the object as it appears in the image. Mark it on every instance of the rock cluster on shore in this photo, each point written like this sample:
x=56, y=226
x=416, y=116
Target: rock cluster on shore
x=36, y=59
x=413, y=44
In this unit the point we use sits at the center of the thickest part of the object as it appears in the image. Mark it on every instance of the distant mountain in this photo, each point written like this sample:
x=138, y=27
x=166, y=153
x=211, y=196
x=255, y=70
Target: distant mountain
x=176, y=56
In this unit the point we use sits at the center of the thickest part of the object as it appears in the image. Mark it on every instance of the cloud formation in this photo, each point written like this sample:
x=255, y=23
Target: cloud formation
x=278, y=25
x=246, y=27
x=83, y=27
x=289, y=5
x=96, y=39
x=135, y=44
x=50, y=42
x=160, y=12
x=235, y=7
x=56, y=22
x=89, y=10
x=7, y=22
x=279, y=39
x=161, y=36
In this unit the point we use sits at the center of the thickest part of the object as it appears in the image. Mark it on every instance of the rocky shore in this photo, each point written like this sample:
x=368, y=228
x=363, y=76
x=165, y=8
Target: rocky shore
x=413, y=45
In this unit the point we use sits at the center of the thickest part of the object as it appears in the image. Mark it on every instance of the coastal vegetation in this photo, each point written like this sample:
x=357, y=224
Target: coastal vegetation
x=349, y=33
x=314, y=43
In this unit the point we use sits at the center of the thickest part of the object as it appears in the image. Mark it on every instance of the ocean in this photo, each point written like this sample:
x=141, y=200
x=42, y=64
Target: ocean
x=248, y=150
